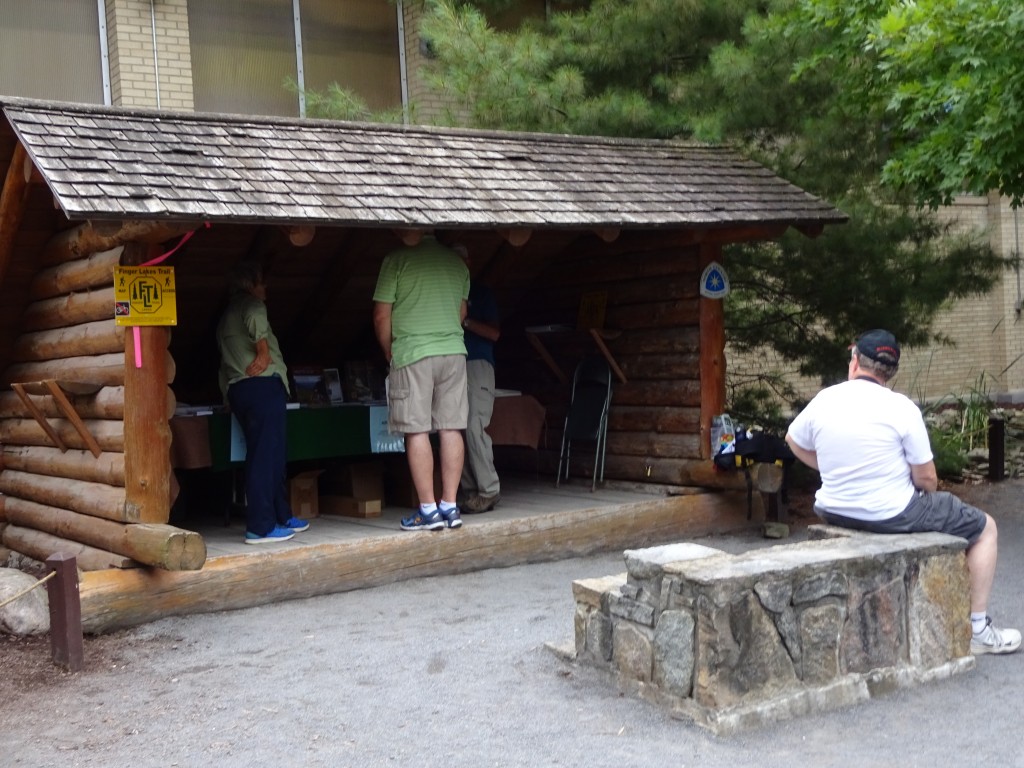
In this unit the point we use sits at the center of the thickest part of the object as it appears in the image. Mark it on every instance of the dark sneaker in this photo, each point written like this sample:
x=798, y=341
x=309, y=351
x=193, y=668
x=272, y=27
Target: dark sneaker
x=280, y=533
x=424, y=522
x=479, y=504
x=296, y=525
x=452, y=518
x=992, y=640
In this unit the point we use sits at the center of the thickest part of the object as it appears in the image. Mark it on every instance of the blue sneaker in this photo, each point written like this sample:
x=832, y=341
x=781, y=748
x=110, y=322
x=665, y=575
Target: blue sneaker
x=452, y=518
x=280, y=533
x=418, y=521
x=296, y=525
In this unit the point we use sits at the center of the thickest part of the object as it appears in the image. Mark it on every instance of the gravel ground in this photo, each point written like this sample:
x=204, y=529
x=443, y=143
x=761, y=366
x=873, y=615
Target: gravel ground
x=453, y=671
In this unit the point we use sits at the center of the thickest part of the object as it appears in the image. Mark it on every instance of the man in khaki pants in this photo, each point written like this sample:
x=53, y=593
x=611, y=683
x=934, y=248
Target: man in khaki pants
x=480, y=480
x=419, y=306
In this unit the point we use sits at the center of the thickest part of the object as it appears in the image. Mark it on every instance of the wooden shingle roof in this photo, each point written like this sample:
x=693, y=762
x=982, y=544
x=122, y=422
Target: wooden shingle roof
x=107, y=163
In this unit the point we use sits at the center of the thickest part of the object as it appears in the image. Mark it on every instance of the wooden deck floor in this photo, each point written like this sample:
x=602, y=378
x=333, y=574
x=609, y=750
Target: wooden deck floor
x=521, y=499
x=535, y=522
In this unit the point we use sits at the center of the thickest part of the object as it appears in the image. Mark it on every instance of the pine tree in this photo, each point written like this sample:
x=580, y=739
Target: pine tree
x=724, y=70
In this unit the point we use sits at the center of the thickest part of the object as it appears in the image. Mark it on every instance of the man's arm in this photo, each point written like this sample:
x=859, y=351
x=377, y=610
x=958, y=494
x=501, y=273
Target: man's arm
x=261, y=362
x=810, y=458
x=924, y=476
x=382, y=327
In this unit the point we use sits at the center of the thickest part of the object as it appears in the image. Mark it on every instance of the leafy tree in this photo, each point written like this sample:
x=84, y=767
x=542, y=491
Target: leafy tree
x=944, y=77
x=723, y=70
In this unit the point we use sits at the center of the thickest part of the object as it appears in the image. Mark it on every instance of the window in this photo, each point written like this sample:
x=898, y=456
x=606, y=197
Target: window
x=244, y=50
x=355, y=44
x=50, y=49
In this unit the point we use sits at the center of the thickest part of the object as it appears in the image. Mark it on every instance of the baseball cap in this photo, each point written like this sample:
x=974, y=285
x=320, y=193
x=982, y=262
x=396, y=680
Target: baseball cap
x=879, y=345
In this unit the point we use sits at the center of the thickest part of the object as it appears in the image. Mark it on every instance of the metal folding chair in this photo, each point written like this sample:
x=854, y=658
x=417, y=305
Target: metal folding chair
x=587, y=418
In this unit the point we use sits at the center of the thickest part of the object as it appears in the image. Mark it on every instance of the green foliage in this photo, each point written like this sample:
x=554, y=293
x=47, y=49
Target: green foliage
x=957, y=424
x=946, y=78
x=724, y=71
x=949, y=457
x=337, y=103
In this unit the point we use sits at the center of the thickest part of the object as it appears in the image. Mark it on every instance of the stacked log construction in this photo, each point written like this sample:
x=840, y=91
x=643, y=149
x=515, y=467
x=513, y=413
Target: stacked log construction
x=104, y=497
x=660, y=333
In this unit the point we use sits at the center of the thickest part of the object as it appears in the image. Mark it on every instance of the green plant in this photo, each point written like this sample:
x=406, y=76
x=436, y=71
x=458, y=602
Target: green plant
x=950, y=458
x=958, y=424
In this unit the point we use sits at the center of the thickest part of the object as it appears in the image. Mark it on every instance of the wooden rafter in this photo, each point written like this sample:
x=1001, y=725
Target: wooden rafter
x=12, y=203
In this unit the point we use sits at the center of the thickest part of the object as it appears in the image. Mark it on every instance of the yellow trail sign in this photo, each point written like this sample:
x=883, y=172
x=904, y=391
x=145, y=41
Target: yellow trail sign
x=145, y=296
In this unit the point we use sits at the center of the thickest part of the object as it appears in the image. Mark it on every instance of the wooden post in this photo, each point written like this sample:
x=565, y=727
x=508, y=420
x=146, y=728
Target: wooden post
x=65, y=612
x=147, y=433
x=12, y=203
x=996, y=448
x=712, y=355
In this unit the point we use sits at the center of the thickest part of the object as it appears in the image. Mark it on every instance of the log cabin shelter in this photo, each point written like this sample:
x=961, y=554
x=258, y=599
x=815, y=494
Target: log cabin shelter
x=599, y=241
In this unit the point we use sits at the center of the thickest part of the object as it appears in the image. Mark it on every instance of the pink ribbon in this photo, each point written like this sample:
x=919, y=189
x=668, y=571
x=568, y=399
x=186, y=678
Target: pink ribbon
x=136, y=333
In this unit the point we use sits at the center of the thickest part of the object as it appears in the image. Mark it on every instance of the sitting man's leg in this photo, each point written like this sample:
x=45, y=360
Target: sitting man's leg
x=945, y=513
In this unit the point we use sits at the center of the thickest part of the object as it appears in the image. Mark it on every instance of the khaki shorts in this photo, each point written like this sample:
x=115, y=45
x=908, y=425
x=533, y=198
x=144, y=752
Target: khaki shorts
x=428, y=395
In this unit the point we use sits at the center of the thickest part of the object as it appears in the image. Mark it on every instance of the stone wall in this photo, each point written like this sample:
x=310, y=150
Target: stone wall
x=732, y=642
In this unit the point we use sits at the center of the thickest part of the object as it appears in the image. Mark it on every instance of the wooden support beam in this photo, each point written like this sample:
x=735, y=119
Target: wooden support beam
x=147, y=431
x=712, y=355
x=72, y=416
x=538, y=345
x=38, y=415
x=595, y=334
x=12, y=204
x=608, y=234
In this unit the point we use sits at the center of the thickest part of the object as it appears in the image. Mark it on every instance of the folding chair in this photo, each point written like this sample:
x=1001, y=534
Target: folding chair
x=587, y=418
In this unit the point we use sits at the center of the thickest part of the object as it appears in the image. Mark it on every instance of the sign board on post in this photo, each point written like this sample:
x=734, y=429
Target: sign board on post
x=714, y=283
x=145, y=296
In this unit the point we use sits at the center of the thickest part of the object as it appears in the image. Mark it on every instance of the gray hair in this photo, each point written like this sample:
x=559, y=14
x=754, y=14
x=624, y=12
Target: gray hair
x=244, y=276
x=884, y=371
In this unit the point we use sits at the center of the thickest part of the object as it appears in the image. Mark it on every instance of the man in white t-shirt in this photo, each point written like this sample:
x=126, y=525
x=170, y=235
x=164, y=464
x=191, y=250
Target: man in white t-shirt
x=871, y=447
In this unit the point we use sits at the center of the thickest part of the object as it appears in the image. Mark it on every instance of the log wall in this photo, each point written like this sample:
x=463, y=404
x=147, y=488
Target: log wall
x=75, y=494
x=657, y=329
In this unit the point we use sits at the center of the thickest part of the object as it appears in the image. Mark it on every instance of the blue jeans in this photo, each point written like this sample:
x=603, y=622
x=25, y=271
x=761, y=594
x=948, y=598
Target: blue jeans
x=260, y=404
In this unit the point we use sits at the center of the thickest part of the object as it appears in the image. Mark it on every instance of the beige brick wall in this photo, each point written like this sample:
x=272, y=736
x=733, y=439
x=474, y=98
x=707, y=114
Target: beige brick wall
x=426, y=107
x=987, y=332
x=133, y=68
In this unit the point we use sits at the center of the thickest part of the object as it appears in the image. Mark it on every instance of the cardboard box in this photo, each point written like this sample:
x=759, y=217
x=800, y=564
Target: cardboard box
x=400, y=492
x=304, y=494
x=364, y=480
x=348, y=506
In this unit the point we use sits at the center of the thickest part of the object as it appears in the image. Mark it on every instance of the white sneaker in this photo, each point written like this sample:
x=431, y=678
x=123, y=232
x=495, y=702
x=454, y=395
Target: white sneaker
x=992, y=640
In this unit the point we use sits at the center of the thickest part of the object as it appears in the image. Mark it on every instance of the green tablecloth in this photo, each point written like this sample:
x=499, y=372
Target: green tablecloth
x=313, y=433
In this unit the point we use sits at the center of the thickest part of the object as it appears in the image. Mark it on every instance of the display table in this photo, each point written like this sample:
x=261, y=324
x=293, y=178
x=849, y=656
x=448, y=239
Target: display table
x=215, y=440
x=517, y=420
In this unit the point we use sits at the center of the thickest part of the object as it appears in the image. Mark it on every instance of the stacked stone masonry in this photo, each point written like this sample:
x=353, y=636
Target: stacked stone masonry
x=737, y=641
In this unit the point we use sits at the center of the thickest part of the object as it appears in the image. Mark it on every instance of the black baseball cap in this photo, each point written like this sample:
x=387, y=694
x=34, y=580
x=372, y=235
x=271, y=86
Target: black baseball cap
x=879, y=345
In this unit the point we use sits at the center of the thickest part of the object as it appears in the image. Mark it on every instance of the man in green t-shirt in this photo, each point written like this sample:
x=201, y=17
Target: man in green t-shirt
x=419, y=306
